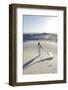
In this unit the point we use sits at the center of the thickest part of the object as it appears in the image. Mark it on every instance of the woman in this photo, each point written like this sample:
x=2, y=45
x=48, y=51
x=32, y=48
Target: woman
x=39, y=48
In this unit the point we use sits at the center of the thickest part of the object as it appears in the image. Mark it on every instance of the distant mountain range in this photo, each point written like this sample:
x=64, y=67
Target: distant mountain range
x=40, y=36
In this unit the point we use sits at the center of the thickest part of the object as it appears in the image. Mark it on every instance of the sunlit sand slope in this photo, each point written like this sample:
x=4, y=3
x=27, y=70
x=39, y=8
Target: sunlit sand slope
x=43, y=64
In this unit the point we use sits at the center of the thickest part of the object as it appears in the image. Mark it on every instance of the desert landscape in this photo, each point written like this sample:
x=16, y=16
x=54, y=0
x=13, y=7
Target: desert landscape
x=39, y=59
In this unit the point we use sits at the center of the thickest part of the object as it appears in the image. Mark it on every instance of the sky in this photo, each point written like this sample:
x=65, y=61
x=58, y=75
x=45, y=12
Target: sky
x=39, y=24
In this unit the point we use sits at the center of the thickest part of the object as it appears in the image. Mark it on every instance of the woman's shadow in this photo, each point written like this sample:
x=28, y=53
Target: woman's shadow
x=29, y=62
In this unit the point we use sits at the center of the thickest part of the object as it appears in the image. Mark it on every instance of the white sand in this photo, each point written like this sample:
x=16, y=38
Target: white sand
x=31, y=51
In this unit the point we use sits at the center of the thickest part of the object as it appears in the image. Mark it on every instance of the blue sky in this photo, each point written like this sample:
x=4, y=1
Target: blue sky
x=39, y=24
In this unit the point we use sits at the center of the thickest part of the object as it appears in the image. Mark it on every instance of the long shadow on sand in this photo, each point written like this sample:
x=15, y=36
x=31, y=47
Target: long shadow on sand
x=26, y=65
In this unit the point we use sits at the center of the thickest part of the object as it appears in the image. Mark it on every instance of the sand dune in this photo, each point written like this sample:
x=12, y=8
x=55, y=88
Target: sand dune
x=35, y=64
